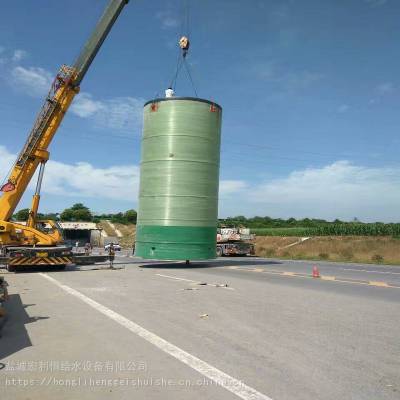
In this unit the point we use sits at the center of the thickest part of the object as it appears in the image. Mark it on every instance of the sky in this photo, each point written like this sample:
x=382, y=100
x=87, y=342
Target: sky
x=310, y=91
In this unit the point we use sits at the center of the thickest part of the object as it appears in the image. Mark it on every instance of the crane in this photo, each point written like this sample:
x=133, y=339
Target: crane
x=40, y=242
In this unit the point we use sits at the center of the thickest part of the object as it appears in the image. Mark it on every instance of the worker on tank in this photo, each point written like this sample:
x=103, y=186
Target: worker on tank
x=169, y=93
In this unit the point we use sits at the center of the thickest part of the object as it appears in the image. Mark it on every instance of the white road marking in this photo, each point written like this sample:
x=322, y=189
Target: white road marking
x=366, y=270
x=176, y=278
x=197, y=282
x=222, y=379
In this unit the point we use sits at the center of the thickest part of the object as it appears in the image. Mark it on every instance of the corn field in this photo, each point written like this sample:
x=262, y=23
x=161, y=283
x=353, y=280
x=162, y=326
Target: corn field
x=348, y=229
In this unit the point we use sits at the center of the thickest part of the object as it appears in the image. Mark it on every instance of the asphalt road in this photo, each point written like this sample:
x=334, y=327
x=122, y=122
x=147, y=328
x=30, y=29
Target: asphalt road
x=230, y=328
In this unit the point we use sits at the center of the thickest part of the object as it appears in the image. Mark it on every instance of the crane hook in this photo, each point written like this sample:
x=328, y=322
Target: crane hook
x=184, y=44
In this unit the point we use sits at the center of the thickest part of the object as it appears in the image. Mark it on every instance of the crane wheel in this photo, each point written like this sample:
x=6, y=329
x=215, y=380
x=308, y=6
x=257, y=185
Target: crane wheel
x=11, y=268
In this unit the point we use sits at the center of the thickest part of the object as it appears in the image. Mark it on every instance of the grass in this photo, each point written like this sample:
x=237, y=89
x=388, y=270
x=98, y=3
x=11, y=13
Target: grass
x=363, y=249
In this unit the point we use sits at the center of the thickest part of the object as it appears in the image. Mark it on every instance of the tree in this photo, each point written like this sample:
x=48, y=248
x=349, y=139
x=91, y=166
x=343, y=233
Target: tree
x=130, y=216
x=22, y=215
x=67, y=215
x=78, y=212
x=79, y=206
x=82, y=214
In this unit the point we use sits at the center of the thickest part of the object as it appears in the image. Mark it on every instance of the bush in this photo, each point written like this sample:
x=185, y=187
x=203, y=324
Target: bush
x=300, y=256
x=377, y=258
x=323, y=256
x=270, y=252
x=347, y=254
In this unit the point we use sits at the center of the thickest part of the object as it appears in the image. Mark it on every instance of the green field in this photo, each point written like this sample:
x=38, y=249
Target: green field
x=281, y=231
x=348, y=229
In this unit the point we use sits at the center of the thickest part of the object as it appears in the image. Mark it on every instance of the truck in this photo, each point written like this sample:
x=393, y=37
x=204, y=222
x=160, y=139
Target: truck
x=233, y=241
x=41, y=242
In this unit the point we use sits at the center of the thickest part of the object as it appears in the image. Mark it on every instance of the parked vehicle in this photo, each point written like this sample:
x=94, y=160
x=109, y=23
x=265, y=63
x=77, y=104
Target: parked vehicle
x=117, y=247
x=234, y=242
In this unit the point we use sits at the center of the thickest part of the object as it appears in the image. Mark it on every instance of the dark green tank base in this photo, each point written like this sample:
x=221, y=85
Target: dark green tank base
x=175, y=242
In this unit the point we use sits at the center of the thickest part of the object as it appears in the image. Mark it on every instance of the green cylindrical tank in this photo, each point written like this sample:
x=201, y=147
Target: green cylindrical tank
x=179, y=179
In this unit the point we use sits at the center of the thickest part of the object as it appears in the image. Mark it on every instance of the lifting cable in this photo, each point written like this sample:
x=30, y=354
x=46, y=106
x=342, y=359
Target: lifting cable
x=184, y=44
x=190, y=76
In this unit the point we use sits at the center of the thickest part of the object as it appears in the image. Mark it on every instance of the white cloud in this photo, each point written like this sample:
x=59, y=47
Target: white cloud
x=228, y=187
x=19, y=55
x=385, y=88
x=119, y=113
x=85, y=180
x=34, y=81
x=85, y=106
x=6, y=162
x=167, y=19
x=300, y=80
x=382, y=90
x=272, y=72
x=119, y=182
x=339, y=190
x=343, y=108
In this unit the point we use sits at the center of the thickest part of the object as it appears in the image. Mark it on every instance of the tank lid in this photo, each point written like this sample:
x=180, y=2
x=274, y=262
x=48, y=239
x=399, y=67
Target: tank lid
x=183, y=98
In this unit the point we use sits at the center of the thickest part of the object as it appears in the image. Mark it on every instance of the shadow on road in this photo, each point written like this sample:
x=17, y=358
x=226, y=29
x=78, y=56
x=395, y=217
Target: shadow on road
x=222, y=262
x=14, y=335
x=120, y=263
x=69, y=268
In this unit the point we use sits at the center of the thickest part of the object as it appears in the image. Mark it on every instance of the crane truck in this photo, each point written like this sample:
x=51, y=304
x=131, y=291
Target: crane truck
x=41, y=242
x=233, y=241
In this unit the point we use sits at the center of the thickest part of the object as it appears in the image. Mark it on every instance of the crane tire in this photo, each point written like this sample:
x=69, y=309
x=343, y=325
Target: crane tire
x=11, y=268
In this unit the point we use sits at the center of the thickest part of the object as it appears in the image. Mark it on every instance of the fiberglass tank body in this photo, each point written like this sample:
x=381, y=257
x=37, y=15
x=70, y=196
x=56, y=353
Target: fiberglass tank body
x=179, y=179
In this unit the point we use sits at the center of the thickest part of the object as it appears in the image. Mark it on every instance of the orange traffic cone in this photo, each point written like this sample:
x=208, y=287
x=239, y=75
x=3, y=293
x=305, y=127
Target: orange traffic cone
x=315, y=272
